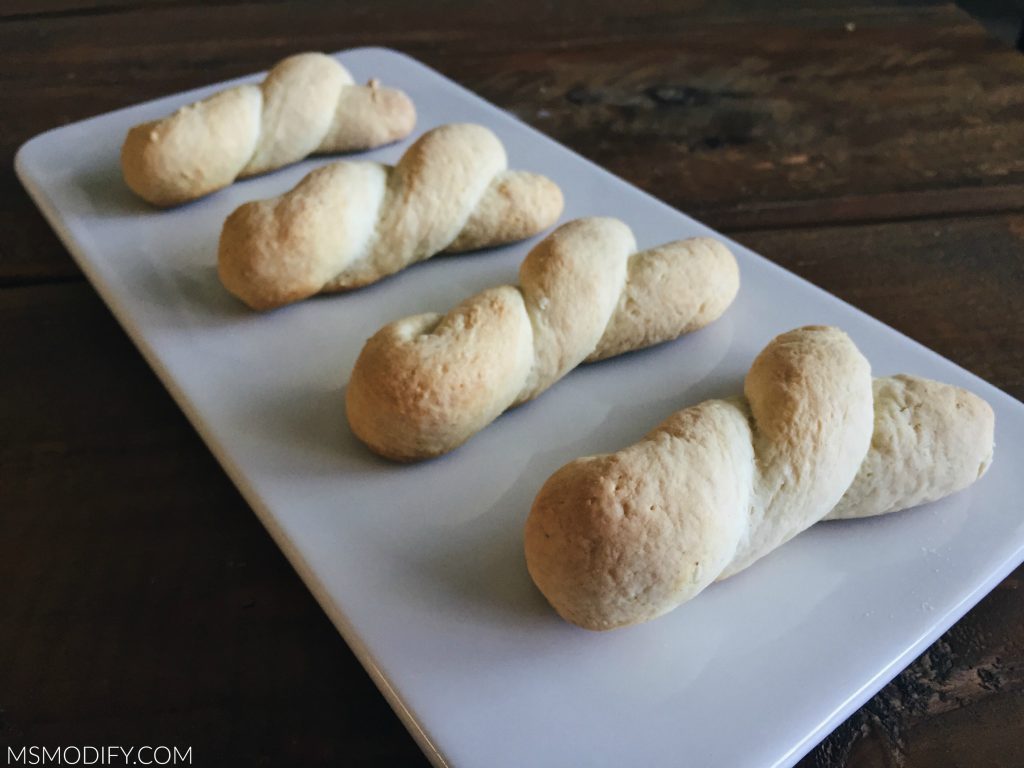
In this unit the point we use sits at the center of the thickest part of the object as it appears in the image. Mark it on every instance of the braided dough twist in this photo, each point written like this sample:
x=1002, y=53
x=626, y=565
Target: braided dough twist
x=623, y=538
x=307, y=104
x=425, y=384
x=349, y=224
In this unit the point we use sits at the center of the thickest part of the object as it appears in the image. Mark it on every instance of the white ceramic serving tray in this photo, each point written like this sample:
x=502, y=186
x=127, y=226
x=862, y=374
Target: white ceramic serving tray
x=421, y=567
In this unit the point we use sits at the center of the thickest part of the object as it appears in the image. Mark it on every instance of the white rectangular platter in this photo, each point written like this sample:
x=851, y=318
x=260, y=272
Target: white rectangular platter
x=421, y=567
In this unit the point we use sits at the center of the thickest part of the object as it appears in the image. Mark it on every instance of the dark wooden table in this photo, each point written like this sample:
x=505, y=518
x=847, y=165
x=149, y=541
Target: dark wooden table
x=875, y=150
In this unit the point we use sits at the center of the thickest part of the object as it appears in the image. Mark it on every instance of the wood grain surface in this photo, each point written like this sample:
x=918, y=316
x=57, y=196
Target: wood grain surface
x=873, y=149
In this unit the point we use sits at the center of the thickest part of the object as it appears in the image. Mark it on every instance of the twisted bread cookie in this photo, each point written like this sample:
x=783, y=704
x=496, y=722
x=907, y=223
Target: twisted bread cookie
x=307, y=104
x=625, y=537
x=350, y=224
x=424, y=385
